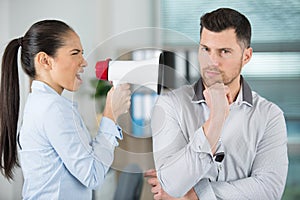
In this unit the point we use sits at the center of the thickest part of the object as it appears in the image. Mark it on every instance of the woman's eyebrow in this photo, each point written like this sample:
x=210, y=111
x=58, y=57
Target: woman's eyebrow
x=77, y=50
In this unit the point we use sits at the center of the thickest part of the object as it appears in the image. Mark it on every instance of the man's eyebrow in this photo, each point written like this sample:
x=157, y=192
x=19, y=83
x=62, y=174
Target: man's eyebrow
x=222, y=48
x=227, y=48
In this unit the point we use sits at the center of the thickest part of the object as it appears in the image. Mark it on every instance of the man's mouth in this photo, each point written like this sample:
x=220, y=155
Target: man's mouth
x=212, y=76
x=212, y=73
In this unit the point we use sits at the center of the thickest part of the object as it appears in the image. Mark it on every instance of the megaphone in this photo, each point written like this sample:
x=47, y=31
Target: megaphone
x=147, y=73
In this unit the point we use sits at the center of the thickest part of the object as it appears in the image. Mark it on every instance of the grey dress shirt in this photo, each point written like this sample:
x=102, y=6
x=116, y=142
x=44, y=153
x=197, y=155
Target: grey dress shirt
x=251, y=160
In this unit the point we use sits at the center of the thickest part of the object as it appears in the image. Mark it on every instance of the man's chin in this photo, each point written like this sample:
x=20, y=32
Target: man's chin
x=211, y=81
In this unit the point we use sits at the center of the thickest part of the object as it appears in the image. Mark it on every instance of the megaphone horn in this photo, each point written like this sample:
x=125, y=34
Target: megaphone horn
x=148, y=73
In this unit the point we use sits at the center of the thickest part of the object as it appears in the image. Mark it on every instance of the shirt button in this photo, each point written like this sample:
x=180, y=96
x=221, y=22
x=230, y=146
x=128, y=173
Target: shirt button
x=220, y=167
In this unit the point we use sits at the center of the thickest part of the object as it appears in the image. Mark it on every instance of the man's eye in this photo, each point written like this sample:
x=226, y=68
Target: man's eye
x=204, y=49
x=225, y=51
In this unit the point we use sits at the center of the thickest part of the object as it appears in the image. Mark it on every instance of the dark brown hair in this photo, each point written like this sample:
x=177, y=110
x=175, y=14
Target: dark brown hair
x=225, y=18
x=44, y=36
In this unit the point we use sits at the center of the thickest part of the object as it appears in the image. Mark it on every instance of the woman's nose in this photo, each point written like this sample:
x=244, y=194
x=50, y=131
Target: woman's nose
x=84, y=63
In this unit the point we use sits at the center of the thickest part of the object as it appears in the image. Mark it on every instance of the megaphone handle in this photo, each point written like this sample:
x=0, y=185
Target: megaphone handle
x=115, y=83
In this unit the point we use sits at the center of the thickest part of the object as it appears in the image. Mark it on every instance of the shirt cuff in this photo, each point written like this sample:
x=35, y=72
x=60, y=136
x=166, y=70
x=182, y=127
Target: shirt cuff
x=200, y=142
x=204, y=190
x=111, y=131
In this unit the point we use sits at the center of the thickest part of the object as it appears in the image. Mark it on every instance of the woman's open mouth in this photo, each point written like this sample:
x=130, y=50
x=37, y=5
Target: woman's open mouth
x=78, y=76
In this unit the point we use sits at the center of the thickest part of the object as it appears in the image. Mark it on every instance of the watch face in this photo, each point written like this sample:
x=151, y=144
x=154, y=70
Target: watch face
x=219, y=157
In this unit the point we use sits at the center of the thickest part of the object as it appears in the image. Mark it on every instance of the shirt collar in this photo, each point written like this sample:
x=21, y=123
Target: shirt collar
x=39, y=86
x=245, y=90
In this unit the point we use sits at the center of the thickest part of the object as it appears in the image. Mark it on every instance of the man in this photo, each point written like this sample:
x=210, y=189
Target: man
x=218, y=139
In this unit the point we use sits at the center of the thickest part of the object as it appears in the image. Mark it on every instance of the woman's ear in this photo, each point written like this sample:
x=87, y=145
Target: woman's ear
x=44, y=61
x=247, y=55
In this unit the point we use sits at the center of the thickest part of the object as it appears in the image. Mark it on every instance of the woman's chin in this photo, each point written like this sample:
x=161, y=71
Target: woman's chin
x=75, y=86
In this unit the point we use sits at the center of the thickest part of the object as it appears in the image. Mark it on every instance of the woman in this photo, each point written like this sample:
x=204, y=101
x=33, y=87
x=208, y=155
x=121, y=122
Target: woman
x=58, y=157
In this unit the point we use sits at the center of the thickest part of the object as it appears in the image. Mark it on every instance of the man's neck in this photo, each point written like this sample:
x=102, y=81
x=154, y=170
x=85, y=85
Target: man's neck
x=235, y=87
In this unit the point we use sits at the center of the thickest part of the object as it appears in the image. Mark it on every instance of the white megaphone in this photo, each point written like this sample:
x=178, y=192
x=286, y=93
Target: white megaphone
x=147, y=73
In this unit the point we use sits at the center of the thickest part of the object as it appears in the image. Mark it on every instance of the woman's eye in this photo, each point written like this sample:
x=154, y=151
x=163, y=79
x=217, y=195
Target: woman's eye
x=76, y=52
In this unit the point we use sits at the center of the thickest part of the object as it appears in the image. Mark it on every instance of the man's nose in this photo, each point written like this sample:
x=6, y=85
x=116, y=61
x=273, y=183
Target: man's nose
x=214, y=59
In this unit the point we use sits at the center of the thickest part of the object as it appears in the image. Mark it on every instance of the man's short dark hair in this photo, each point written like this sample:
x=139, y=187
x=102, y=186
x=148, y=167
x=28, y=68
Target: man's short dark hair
x=225, y=18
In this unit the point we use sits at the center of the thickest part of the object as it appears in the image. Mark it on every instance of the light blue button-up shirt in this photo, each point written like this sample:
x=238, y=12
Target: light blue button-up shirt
x=58, y=156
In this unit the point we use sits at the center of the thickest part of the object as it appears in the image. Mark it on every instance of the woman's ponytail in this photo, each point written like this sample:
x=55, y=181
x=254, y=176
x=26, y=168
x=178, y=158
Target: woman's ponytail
x=9, y=108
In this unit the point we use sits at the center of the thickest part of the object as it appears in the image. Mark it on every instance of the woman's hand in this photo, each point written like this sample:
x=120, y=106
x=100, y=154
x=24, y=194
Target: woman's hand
x=117, y=101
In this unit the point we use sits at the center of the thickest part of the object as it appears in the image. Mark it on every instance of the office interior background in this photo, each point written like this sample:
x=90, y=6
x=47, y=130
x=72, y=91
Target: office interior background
x=140, y=29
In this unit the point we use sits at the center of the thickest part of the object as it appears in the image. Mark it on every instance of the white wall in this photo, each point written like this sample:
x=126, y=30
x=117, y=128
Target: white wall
x=105, y=26
x=4, y=22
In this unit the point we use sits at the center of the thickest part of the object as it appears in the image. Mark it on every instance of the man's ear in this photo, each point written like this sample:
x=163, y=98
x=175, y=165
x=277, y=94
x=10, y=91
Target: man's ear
x=44, y=61
x=247, y=55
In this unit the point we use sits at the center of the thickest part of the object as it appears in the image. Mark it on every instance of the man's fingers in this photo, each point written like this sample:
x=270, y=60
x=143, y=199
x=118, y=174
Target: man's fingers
x=153, y=181
x=156, y=189
x=157, y=197
x=150, y=173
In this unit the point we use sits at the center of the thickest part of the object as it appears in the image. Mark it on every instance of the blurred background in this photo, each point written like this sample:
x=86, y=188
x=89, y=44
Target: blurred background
x=141, y=29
